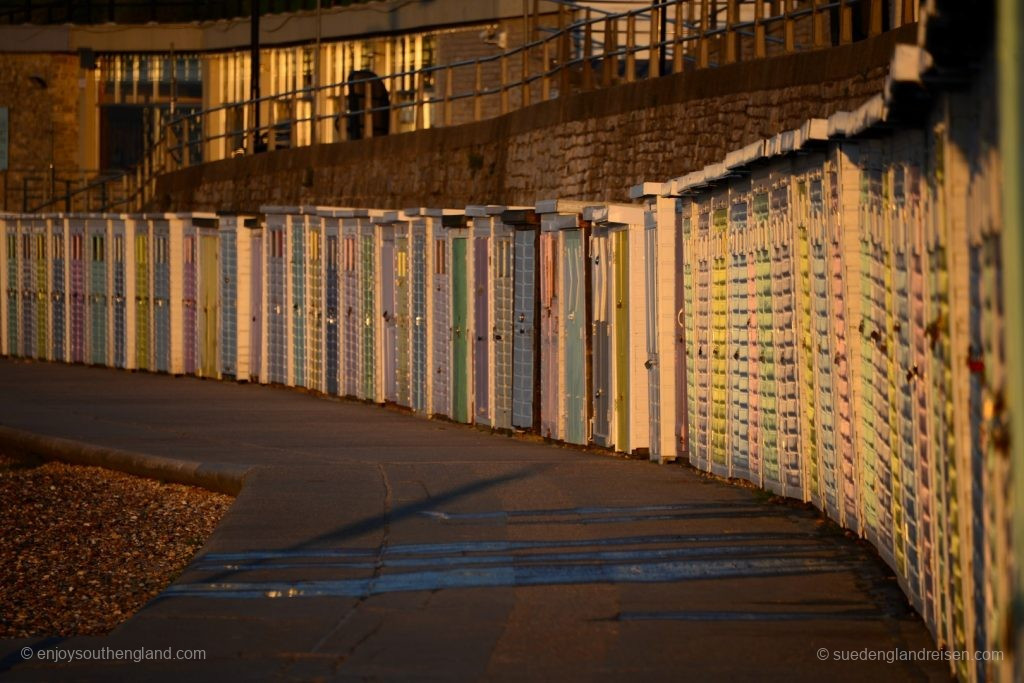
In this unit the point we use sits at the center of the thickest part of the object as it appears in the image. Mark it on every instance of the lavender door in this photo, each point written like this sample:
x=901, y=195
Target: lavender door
x=441, y=361
x=524, y=375
x=331, y=292
x=57, y=292
x=387, y=303
x=481, y=333
x=256, y=299
x=350, y=320
x=277, y=317
x=188, y=329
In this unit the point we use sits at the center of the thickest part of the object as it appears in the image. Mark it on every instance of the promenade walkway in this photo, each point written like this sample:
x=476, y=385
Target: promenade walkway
x=366, y=543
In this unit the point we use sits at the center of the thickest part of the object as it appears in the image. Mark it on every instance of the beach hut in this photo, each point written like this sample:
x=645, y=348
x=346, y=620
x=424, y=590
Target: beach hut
x=8, y=284
x=440, y=229
x=525, y=316
x=240, y=288
x=274, y=357
x=37, y=286
x=422, y=225
x=330, y=227
x=664, y=283
x=350, y=315
x=624, y=275
x=460, y=258
x=565, y=337
x=227, y=265
x=501, y=326
x=183, y=228
x=119, y=265
x=278, y=358
x=491, y=334
x=208, y=312
x=166, y=308
x=98, y=288
x=371, y=385
x=394, y=304
x=314, y=274
x=140, y=294
x=57, y=226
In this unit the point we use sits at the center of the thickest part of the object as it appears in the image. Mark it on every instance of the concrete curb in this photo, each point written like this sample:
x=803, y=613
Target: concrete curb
x=219, y=477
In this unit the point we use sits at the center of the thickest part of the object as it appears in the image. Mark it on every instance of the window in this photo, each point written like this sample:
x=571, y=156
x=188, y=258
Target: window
x=314, y=246
x=350, y=254
x=332, y=251
x=119, y=249
x=440, y=257
x=98, y=249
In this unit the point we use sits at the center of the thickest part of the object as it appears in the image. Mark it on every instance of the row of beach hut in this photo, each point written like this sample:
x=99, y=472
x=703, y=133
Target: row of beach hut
x=819, y=314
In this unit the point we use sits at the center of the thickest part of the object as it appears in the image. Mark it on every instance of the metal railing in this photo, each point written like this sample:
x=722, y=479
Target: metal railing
x=142, y=11
x=580, y=53
x=33, y=190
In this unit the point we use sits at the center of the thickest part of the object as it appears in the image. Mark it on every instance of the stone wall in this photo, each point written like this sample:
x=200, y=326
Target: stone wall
x=41, y=94
x=590, y=146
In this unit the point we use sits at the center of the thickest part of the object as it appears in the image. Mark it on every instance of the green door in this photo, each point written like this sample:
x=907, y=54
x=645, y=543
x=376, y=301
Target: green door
x=142, y=322
x=575, y=318
x=460, y=341
x=209, y=278
x=621, y=260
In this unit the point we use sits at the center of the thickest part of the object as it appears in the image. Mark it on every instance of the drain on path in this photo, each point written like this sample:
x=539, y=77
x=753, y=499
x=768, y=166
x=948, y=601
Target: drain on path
x=84, y=547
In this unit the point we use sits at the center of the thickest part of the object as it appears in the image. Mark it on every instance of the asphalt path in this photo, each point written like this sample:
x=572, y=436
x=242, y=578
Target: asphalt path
x=367, y=543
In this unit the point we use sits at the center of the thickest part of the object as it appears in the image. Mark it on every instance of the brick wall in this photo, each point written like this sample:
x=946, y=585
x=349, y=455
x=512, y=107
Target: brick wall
x=591, y=145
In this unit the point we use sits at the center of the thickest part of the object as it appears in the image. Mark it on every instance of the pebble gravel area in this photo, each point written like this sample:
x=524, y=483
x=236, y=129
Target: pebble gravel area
x=83, y=548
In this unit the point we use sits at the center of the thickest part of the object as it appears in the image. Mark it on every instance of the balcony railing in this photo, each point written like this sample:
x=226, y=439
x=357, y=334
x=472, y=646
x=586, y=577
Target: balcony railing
x=586, y=50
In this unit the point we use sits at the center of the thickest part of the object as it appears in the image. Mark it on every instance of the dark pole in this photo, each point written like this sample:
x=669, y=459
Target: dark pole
x=254, y=75
x=663, y=61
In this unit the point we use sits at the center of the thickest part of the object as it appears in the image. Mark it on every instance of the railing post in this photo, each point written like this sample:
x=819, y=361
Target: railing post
x=790, y=28
x=630, y=48
x=909, y=11
x=477, y=85
x=760, y=46
x=448, y=96
x=677, y=45
x=702, y=43
x=875, y=20
x=731, y=19
x=545, y=80
x=186, y=146
x=393, y=117
x=524, y=77
x=368, y=109
x=588, y=53
x=503, y=66
x=610, y=62
x=654, y=49
x=419, y=100
x=817, y=23
x=563, y=52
